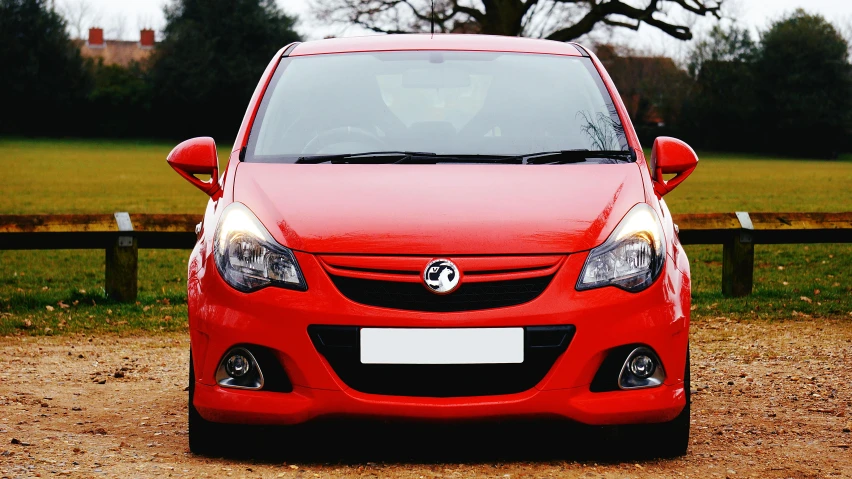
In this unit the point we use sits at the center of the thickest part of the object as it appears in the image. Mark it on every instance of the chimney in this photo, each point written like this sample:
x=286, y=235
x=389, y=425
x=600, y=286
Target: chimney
x=96, y=38
x=146, y=38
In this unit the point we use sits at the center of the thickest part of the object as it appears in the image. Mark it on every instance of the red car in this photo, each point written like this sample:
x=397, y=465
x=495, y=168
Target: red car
x=438, y=227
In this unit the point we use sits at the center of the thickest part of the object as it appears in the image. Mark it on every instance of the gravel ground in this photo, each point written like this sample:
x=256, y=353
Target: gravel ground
x=772, y=400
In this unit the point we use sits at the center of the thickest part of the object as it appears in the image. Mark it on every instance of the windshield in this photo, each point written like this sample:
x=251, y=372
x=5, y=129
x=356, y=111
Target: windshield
x=444, y=103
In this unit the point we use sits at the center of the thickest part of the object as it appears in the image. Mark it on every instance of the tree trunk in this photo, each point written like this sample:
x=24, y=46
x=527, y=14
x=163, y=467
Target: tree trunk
x=503, y=17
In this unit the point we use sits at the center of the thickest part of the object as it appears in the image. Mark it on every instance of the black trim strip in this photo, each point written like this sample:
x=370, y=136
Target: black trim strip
x=340, y=345
x=413, y=296
x=582, y=49
x=290, y=49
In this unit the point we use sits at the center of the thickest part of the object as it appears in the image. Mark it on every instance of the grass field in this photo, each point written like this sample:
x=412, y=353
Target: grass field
x=48, y=292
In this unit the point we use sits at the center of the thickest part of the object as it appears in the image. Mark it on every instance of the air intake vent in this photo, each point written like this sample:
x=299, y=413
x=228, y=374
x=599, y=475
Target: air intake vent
x=340, y=345
x=415, y=297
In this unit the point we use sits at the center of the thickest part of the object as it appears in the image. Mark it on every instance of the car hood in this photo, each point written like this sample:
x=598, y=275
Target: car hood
x=439, y=209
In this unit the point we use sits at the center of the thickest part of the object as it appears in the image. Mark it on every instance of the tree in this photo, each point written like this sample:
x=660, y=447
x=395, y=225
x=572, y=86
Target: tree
x=720, y=112
x=119, y=102
x=44, y=76
x=212, y=54
x=560, y=20
x=79, y=15
x=652, y=87
x=804, y=86
x=733, y=44
x=117, y=28
x=844, y=26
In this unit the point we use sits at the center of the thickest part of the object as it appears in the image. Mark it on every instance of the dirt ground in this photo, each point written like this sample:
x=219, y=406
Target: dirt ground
x=771, y=400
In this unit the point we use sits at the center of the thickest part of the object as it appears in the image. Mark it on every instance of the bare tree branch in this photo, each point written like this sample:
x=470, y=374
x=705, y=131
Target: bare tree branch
x=118, y=27
x=80, y=16
x=616, y=23
x=601, y=11
x=561, y=20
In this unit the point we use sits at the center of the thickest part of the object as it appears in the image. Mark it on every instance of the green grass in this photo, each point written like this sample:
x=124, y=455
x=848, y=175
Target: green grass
x=729, y=182
x=77, y=176
x=51, y=292
x=784, y=274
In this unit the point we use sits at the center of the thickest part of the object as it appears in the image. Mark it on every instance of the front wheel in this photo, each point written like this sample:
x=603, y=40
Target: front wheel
x=205, y=437
x=672, y=438
x=667, y=439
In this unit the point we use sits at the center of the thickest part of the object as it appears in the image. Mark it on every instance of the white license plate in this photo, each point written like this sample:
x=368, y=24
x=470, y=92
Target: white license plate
x=442, y=345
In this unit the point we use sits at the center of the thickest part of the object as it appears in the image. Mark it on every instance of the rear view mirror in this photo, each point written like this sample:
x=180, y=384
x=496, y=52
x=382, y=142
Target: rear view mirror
x=671, y=156
x=435, y=78
x=197, y=156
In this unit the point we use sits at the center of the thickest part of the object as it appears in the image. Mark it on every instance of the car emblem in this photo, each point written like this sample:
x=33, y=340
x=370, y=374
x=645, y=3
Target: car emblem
x=441, y=276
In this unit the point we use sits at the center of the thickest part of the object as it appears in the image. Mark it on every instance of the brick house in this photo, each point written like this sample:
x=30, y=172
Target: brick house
x=652, y=87
x=117, y=52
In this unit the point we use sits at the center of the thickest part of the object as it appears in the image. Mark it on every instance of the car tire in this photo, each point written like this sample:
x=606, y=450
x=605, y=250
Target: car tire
x=205, y=437
x=671, y=439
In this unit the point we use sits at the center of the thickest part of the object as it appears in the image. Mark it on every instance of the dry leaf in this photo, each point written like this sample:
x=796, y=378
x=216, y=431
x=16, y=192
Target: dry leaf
x=49, y=307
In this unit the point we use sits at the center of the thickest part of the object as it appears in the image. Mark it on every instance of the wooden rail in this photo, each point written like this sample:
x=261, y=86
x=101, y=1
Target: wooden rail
x=739, y=232
x=121, y=236
x=118, y=234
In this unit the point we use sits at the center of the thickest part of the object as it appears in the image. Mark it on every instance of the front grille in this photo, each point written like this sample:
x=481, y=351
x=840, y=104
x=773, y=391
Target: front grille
x=340, y=345
x=415, y=297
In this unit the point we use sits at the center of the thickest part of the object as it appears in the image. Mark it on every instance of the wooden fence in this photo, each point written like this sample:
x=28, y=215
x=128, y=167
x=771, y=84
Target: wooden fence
x=118, y=234
x=121, y=236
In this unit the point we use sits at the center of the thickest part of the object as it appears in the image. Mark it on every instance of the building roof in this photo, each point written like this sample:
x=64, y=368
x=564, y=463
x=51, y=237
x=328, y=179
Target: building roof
x=115, y=52
x=487, y=43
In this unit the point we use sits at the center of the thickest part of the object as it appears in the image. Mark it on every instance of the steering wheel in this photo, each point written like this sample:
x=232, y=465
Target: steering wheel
x=344, y=134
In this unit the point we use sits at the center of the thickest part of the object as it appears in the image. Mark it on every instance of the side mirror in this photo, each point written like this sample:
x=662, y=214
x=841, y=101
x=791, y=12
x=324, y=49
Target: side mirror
x=671, y=156
x=197, y=156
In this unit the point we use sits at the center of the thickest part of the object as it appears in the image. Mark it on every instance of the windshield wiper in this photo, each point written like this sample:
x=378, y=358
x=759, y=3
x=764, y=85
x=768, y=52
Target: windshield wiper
x=411, y=157
x=420, y=157
x=370, y=157
x=574, y=156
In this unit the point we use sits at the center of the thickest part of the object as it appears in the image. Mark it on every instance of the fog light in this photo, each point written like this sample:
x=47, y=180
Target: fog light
x=239, y=369
x=642, y=366
x=641, y=369
x=238, y=366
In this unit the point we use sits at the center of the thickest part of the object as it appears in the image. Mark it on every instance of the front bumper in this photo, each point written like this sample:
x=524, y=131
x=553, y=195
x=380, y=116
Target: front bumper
x=221, y=317
x=575, y=404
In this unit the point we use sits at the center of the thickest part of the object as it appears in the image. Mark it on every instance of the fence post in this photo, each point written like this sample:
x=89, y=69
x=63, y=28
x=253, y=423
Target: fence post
x=122, y=263
x=738, y=260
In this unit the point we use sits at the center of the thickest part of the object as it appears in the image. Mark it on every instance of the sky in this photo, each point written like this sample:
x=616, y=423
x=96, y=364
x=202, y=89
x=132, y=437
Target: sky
x=126, y=17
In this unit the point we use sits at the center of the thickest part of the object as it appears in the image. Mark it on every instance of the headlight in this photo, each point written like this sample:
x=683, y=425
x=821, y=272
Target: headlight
x=247, y=256
x=631, y=258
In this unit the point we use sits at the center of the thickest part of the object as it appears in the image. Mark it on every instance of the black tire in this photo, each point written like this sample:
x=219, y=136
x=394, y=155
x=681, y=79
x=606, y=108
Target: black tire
x=205, y=437
x=671, y=439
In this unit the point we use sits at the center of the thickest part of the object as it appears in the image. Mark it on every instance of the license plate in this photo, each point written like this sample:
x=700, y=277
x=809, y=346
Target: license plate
x=442, y=345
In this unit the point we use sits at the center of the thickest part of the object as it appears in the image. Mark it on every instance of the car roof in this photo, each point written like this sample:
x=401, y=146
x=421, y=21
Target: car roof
x=454, y=42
